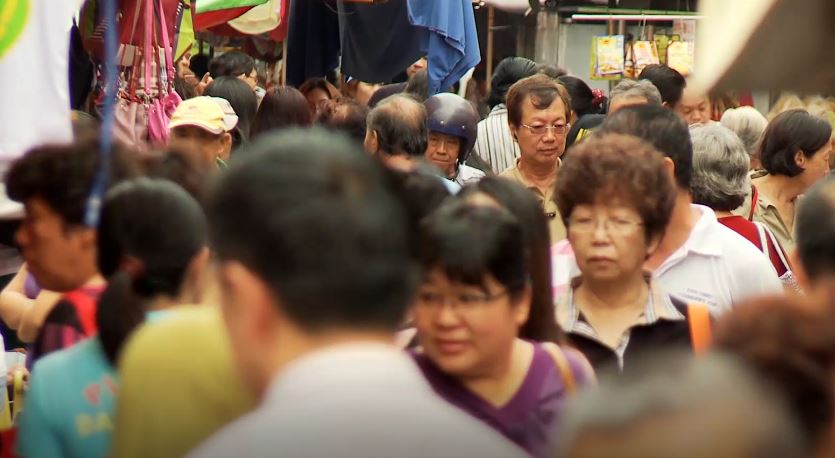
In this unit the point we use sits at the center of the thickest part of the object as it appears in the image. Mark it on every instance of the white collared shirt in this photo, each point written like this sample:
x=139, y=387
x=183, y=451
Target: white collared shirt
x=494, y=143
x=356, y=401
x=467, y=174
x=715, y=266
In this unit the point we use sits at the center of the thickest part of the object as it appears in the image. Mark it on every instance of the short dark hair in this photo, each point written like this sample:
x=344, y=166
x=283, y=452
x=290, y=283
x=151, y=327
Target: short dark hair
x=583, y=100
x=788, y=133
x=527, y=210
x=814, y=227
x=418, y=85
x=549, y=70
x=323, y=207
x=493, y=241
x=507, y=73
x=345, y=115
x=240, y=96
x=130, y=228
x=790, y=344
x=282, y=106
x=663, y=129
x=400, y=124
x=542, y=90
x=232, y=63
x=63, y=176
x=669, y=82
x=612, y=167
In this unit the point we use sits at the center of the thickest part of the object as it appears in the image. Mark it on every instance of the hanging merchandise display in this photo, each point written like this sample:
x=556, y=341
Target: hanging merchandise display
x=607, y=60
x=680, y=56
x=645, y=53
x=146, y=97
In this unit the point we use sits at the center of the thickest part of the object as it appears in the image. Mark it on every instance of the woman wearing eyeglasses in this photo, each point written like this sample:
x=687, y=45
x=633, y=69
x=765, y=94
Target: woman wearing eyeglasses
x=475, y=297
x=616, y=198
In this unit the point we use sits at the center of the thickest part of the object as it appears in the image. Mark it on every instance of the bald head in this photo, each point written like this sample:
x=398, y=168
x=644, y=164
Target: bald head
x=397, y=126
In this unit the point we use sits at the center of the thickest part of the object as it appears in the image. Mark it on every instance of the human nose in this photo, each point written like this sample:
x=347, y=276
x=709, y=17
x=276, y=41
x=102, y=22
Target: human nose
x=447, y=315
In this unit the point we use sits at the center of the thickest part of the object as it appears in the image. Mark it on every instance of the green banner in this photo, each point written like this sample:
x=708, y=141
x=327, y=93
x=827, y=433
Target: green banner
x=205, y=6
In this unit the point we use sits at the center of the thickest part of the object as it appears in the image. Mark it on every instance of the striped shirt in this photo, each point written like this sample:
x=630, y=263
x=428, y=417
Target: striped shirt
x=659, y=305
x=495, y=144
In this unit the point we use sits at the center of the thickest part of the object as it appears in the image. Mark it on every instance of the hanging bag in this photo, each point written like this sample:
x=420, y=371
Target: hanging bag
x=163, y=105
x=131, y=118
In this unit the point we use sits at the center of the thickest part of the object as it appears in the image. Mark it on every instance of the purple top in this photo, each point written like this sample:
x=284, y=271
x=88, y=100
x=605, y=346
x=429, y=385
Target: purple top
x=530, y=418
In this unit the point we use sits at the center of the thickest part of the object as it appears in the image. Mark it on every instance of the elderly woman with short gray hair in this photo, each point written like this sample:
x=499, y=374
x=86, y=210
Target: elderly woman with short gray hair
x=721, y=181
x=748, y=124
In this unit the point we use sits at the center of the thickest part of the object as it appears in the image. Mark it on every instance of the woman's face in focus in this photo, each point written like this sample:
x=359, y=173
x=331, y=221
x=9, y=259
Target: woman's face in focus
x=609, y=241
x=467, y=330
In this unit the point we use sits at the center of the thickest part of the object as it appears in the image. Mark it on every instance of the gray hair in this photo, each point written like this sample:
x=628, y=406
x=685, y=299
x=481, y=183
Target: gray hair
x=748, y=124
x=636, y=88
x=720, y=167
x=683, y=407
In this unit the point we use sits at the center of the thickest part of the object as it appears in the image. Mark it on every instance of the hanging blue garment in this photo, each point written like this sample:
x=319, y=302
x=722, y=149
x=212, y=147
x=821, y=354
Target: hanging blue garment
x=450, y=39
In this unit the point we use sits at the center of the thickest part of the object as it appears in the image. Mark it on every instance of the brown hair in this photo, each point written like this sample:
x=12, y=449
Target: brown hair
x=321, y=84
x=542, y=90
x=615, y=167
x=283, y=106
x=791, y=344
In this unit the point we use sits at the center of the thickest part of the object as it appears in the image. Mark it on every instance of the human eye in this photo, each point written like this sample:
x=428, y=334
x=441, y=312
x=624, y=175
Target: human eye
x=429, y=297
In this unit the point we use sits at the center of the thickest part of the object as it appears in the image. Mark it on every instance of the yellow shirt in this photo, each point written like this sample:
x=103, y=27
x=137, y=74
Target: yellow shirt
x=178, y=386
x=552, y=213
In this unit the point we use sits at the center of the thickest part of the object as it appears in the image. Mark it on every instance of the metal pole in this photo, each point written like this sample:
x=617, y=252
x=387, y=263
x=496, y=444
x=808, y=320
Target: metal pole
x=284, y=63
x=491, y=18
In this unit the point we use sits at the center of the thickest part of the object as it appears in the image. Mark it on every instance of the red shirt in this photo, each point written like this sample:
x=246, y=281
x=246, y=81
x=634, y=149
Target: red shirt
x=749, y=230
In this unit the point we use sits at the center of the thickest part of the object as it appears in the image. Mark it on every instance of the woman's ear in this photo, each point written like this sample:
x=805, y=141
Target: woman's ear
x=800, y=159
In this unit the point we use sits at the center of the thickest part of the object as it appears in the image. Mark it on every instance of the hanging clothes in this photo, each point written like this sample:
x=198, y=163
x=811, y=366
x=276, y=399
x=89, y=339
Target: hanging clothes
x=312, y=41
x=450, y=39
x=378, y=42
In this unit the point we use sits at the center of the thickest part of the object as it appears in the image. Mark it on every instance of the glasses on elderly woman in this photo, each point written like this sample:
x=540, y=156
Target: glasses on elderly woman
x=559, y=129
x=612, y=226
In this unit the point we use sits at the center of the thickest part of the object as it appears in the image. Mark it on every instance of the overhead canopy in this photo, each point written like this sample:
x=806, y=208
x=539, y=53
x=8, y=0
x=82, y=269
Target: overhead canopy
x=766, y=45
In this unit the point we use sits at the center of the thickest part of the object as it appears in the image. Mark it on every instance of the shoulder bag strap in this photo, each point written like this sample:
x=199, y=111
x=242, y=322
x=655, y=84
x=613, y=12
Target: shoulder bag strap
x=781, y=253
x=698, y=317
x=147, y=45
x=763, y=238
x=563, y=366
x=755, y=197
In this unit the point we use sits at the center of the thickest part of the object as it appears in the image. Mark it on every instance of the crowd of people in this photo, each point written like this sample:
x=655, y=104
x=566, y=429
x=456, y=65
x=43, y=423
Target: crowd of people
x=359, y=271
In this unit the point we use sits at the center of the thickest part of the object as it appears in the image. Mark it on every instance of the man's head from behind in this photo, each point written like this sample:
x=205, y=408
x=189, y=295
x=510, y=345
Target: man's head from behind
x=681, y=407
x=661, y=128
x=815, y=234
x=397, y=127
x=314, y=247
x=53, y=183
x=633, y=92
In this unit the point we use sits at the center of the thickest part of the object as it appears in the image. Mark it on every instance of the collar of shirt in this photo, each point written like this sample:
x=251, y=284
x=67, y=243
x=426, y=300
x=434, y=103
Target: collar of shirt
x=348, y=367
x=700, y=240
x=658, y=306
x=516, y=173
x=499, y=109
